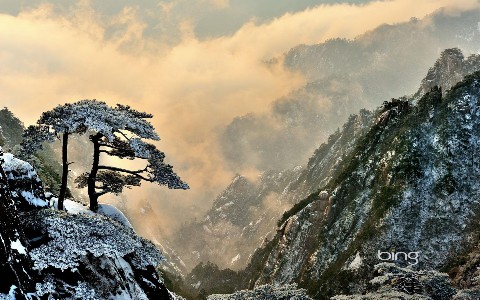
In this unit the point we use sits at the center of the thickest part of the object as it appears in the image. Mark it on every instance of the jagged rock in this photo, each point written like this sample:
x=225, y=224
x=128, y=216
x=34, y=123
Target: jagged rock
x=449, y=69
x=266, y=292
x=49, y=253
x=23, y=181
x=393, y=282
x=15, y=266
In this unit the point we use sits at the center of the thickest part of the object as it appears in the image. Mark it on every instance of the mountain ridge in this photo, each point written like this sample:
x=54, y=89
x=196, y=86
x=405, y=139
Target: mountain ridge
x=393, y=171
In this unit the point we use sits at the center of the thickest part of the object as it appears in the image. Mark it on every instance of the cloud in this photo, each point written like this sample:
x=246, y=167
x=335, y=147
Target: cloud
x=317, y=24
x=218, y=4
x=194, y=88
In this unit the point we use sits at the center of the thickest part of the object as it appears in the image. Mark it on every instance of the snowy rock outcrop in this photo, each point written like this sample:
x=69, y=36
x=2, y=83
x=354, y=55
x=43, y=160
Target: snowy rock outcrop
x=393, y=282
x=15, y=266
x=266, y=292
x=25, y=185
x=60, y=255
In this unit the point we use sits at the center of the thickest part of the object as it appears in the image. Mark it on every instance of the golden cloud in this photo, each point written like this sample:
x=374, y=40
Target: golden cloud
x=193, y=88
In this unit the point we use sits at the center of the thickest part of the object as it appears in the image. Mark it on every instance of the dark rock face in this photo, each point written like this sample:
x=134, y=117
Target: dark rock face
x=16, y=268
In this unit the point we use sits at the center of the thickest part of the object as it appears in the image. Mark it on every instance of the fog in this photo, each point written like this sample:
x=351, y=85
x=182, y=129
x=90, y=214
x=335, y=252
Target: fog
x=195, y=83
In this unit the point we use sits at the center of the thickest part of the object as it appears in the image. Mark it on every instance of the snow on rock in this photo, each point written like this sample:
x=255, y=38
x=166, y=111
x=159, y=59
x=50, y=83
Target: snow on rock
x=74, y=236
x=17, y=245
x=394, y=282
x=84, y=291
x=356, y=262
x=237, y=257
x=264, y=292
x=10, y=295
x=16, y=168
x=25, y=185
x=32, y=199
x=109, y=258
x=73, y=207
x=75, y=254
x=176, y=297
x=114, y=213
x=107, y=210
x=411, y=184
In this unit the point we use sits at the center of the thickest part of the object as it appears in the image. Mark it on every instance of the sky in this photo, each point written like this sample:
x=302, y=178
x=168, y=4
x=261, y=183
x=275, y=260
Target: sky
x=195, y=65
x=211, y=18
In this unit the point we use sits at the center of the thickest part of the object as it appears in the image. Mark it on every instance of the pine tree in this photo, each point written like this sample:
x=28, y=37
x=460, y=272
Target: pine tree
x=120, y=132
x=62, y=121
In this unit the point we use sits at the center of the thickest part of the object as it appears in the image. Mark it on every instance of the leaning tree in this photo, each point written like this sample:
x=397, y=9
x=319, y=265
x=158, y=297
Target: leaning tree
x=121, y=132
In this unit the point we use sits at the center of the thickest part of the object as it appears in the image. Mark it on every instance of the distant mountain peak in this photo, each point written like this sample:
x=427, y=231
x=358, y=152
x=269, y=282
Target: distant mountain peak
x=449, y=69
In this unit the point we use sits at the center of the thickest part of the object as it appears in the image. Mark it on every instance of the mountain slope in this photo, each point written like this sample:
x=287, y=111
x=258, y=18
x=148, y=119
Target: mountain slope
x=241, y=218
x=246, y=213
x=239, y=238
x=449, y=69
x=410, y=185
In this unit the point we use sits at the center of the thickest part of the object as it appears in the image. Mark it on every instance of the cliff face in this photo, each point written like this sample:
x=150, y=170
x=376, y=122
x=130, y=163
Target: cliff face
x=410, y=185
x=449, y=69
x=247, y=212
x=242, y=216
x=16, y=268
x=379, y=168
x=343, y=76
x=68, y=255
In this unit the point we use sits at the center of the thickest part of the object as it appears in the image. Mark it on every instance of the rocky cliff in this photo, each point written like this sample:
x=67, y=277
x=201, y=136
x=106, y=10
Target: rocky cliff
x=68, y=255
x=410, y=185
x=246, y=213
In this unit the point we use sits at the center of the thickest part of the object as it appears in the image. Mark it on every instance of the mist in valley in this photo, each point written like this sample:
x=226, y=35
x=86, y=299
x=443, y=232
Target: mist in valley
x=262, y=94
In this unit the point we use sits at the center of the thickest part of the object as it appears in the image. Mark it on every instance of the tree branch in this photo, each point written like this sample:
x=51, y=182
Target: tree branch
x=101, y=193
x=135, y=173
x=110, y=146
x=126, y=137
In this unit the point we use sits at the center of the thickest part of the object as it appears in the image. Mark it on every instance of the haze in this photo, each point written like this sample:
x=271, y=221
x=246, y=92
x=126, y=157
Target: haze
x=195, y=65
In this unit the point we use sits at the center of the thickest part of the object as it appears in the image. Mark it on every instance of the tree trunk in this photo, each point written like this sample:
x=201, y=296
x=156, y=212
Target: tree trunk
x=63, y=187
x=92, y=177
